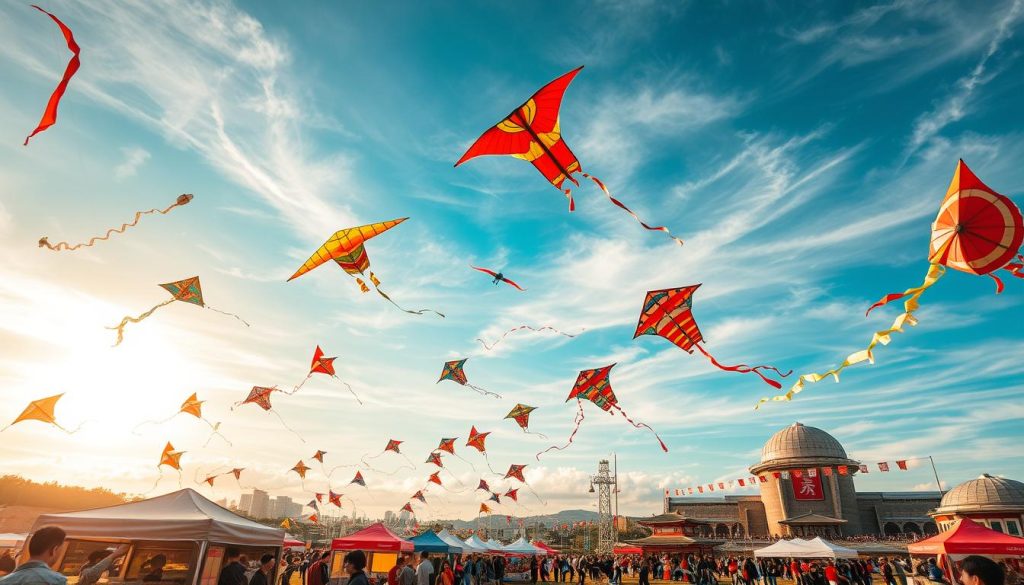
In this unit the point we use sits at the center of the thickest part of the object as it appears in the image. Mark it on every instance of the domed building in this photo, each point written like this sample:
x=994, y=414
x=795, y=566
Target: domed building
x=995, y=502
x=809, y=491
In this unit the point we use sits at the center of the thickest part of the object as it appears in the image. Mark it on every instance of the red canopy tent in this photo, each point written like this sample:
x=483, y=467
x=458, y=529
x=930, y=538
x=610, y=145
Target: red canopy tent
x=540, y=544
x=627, y=549
x=966, y=537
x=375, y=537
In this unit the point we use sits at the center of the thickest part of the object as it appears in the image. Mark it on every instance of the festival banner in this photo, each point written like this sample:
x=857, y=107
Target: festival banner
x=808, y=487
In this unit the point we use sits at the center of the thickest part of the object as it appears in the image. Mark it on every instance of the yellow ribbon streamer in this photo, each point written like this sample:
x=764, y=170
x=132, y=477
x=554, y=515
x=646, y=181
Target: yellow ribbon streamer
x=884, y=337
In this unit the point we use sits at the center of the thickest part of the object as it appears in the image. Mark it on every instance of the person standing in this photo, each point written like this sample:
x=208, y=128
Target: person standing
x=353, y=564
x=43, y=551
x=394, y=571
x=424, y=570
x=262, y=576
x=885, y=569
x=645, y=573
x=233, y=572
x=98, y=563
x=317, y=573
x=831, y=574
x=978, y=570
x=447, y=576
x=406, y=576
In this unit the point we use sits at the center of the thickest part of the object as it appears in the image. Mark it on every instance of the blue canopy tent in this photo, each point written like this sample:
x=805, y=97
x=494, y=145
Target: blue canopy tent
x=431, y=542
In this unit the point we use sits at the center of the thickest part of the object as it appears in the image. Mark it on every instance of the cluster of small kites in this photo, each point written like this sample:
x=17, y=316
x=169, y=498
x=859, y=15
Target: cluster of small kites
x=976, y=231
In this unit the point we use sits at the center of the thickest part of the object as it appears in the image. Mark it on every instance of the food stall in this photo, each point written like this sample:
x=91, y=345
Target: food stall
x=177, y=538
x=966, y=537
x=453, y=541
x=518, y=556
x=11, y=543
x=381, y=546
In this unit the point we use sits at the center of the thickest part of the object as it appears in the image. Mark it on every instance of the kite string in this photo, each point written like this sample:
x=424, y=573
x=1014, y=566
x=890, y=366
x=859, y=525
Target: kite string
x=154, y=422
x=45, y=243
x=482, y=391
x=129, y=319
x=935, y=272
x=640, y=425
x=576, y=422
x=521, y=327
x=353, y=392
x=745, y=369
x=618, y=203
x=285, y=425
x=244, y=322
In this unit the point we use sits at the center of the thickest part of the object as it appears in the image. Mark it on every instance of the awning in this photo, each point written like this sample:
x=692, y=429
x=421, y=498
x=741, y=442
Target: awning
x=967, y=537
x=430, y=542
x=544, y=547
x=453, y=542
x=183, y=515
x=373, y=538
x=817, y=548
x=626, y=549
x=477, y=545
x=522, y=547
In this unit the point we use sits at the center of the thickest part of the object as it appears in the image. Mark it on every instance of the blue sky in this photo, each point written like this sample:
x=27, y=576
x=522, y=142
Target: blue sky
x=801, y=153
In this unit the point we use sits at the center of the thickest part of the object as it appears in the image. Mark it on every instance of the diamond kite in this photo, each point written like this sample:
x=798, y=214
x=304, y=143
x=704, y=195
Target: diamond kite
x=521, y=414
x=595, y=386
x=977, y=231
x=532, y=132
x=668, y=313
x=41, y=410
x=187, y=291
x=453, y=371
x=260, y=396
x=346, y=248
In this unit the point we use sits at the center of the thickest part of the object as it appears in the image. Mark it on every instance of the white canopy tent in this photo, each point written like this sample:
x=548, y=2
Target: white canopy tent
x=494, y=545
x=837, y=551
x=452, y=541
x=473, y=544
x=817, y=548
x=522, y=547
x=182, y=515
x=783, y=548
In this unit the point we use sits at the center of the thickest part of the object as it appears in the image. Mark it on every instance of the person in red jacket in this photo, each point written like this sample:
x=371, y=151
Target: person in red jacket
x=831, y=575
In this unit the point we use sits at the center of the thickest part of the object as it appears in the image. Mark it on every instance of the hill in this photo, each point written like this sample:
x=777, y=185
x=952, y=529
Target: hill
x=547, y=520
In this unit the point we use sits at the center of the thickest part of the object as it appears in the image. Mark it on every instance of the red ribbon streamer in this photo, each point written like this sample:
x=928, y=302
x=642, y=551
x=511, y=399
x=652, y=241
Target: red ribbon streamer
x=618, y=203
x=641, y=426
x=745, y=369
x=579, y=420
x=50, y=114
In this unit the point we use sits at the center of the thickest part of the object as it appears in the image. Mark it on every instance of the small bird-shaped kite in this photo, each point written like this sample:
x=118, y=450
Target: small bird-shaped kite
x=192, y=406
x=498, y=277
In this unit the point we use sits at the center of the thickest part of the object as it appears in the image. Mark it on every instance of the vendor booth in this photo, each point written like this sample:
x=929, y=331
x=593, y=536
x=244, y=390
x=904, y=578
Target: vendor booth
x=178, y=538
x=622, y=548
x=430, y=542
x=11, y=542
x=966, y=537
x=381, y=546
x=544, y=547
x=293, y=544
x=453, y=541
x=519, y=555
x=475, y=544
x=816, y=548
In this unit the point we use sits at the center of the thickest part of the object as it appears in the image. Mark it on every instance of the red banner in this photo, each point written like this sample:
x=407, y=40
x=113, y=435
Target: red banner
x=808, y=488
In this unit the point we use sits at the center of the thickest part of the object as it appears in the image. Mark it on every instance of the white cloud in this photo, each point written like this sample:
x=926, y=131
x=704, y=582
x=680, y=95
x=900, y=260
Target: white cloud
x=134, y=157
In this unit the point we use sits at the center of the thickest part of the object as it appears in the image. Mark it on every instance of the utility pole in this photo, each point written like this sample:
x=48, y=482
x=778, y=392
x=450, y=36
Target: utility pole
x=605, y=525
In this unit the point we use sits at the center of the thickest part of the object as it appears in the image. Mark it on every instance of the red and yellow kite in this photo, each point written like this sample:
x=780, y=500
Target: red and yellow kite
x=346, y=248
x=532, y=133
x=324, y=365
x=260, y=396
x=977, y=231
x=521, y=414
x=668, y=313
x=187, y=291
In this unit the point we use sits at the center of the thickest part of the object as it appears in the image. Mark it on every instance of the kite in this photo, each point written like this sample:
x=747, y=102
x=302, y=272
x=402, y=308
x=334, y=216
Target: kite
x=477, y=441
x=407, y=508
x=170, y=458
x=324, y=365
x=419, y=496
x=977, y=231
x=668, y=313
x=521, y=414
x=286, y=524
x=435, y=458
x=313, y=504
x=595, y=386
x=483, y=486
x=498, y=277
x=520, y=328
x=50, y=113
x=319, y=497
x=532, y=132
x=394, y=447
x=44, y=242
x=260, y=396
x=42, y=410
x=314, y=519
x=512, y=494
x=186, y=291
x=516, y=472
x=194, y=407
x=319, y=455
x=358, y=479
x=346, y=248
x=237, y=472
x=494, y=498
x=484, y=509
x=334, y=498
x=435, y=478
x=453, y=371
x=448, y=446
x=300, y=468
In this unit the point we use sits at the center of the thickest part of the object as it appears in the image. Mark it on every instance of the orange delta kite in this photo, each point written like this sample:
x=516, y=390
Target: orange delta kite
x=237, y=472
x=484, y=509
x=319, y=455
x=187, y=291
x=477, y=440
x=596, y=386
x=194, y=407
x=668, y=313
x=301, y=468
x=44, y=242
x=170, y=457
x=532, y=132
x=346, y=248
x=41, y=410
x=324, y=365
x=977, y=231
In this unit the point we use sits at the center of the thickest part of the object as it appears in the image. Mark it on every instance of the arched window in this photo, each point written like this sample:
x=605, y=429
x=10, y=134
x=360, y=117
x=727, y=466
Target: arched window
x=930, y=528
x=912, y=527
x=891, y=529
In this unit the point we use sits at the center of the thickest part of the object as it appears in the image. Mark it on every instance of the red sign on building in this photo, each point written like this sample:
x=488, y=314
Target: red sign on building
x=808, y=488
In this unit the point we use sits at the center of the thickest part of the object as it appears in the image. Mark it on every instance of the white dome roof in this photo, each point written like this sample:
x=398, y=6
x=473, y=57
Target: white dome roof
x=797, y=442
x=985, y=493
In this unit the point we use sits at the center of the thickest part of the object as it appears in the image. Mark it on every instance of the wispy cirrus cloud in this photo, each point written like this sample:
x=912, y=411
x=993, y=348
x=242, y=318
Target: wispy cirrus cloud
x=134, y=157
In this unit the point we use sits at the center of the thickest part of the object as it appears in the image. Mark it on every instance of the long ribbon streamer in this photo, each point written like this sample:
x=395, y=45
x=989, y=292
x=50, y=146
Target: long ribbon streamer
x=576, y=422
x=59, y=246
x=50, y=113
x=641, y=425
x=935, y=271
x=745, y=369
x=622, y=206
x=129, y=319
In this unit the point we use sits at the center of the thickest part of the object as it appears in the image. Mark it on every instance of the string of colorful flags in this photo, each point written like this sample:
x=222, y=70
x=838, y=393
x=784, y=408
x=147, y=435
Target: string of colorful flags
x=790, y=474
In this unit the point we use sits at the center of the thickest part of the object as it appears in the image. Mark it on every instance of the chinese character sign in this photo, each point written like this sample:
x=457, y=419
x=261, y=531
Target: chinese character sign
x=808, y=488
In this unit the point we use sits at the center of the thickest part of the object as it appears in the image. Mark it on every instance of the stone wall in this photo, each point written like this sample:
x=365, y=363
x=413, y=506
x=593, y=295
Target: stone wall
x=903, y=509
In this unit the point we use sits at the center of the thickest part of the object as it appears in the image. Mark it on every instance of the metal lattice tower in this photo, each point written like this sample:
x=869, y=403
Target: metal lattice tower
x=605, y=521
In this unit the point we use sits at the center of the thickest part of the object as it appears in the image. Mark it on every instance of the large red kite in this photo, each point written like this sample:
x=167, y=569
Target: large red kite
x=532, y=133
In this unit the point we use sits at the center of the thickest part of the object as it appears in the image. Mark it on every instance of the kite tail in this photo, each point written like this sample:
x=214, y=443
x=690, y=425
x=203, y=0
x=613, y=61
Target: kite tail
x=482, y=391
x=45, y=243
x=641, y=425
x=49, y=117
x=353, y=392
x=129, y=319
x=521, y=327
x=153, y=422
x=619, y=204
x=577, y=422
x=244, y=322
x=215, y=432
x=935, y=271
x=285, y=425
x=401, y=308
x=745, y=369
x=299, y=386
x=1016, y=268
x=541, y=435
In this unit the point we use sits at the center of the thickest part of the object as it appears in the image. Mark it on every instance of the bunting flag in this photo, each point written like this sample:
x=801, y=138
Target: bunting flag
x=883, y=466
x=842, y=469
x=827, y=471
x=863, y=468
x=902, y=464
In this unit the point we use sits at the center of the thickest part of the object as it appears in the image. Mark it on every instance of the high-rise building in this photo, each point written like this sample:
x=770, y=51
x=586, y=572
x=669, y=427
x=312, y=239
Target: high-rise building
x=260, y=507
x=389, y=517
x=245, y=503
x=280, y=507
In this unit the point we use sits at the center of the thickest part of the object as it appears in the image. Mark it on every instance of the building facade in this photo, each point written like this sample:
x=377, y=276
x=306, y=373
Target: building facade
x=797, y=501
x=994, y=502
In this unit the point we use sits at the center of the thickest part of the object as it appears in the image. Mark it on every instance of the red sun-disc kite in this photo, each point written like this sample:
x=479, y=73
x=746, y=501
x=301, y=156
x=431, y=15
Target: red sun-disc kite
x=532, y=132
x=595, y=386
x=50, y=113
x=324, y=365
x=668, y=313
x=977, y=231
